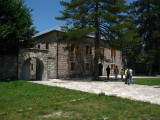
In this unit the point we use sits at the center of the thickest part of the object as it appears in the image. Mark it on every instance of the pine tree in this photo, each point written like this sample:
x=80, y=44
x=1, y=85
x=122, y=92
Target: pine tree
x=147, y=17
x=103, y=18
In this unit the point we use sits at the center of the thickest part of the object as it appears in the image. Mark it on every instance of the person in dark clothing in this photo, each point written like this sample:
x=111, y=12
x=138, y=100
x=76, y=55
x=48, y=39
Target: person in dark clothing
x=108, y=72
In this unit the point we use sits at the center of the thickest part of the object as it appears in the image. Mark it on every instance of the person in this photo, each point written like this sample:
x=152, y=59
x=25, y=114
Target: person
x=126, y=76
x=108, y=72
x=122, y=73
x=116, y=72
x=130, y=76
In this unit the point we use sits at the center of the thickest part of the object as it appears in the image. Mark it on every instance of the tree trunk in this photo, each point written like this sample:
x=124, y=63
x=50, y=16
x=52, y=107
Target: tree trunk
x=158, y=56
x=96, y=41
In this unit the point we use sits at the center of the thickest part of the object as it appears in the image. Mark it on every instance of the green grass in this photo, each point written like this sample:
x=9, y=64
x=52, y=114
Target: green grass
x=22, y=100
x=147, y=81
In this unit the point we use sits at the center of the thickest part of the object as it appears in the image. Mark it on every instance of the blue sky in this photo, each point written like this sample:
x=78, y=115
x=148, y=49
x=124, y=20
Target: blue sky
x=45, y=11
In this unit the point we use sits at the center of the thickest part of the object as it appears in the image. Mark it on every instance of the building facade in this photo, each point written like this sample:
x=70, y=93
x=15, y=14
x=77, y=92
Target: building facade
x=78, y=61
x=49, y=59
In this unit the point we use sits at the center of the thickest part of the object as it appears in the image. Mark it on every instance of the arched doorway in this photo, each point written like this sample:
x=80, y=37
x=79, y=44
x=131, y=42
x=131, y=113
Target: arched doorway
x=100, y=69
x=32, y=69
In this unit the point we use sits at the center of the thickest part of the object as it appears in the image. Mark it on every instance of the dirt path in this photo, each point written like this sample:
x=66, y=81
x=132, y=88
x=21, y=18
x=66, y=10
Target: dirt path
x=117, y=88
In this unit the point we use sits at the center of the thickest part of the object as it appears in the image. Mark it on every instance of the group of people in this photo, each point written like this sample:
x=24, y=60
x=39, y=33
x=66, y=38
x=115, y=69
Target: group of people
x=128, y=74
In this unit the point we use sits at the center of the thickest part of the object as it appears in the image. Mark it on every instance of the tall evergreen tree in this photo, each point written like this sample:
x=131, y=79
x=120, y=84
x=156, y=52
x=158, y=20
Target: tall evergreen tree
x=102, y=17
x=15, y=26
x=147, y=17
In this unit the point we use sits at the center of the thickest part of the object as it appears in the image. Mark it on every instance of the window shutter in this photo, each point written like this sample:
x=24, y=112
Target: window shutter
x=47, y=46
x=111, y=52
x=72, y=48
x=87, y=66
x=76, y=48
x=100, y=50
x=72, y=66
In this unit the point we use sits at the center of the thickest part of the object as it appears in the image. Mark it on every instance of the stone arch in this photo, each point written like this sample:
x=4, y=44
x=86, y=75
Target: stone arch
x=32, y=69
x=40, y=58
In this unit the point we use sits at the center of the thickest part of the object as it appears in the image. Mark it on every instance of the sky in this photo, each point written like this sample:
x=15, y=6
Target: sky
x=45, y=11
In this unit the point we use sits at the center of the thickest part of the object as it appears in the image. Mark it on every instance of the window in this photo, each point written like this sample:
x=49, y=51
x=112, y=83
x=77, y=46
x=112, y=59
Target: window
x=39, y=46
x=72, y=66
x=113, y=52
x=101, y=51
x=47, y=46
x=74, y=48
x=88, y=49
x=87, y=66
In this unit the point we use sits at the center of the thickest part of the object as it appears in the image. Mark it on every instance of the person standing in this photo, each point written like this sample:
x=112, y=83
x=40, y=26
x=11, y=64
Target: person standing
x=108, y=72
x=126, y=76
x=130, y=76
x=116, y=72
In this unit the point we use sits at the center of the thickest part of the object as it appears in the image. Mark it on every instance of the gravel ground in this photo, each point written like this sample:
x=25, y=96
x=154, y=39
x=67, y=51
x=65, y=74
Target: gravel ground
x=117, y=88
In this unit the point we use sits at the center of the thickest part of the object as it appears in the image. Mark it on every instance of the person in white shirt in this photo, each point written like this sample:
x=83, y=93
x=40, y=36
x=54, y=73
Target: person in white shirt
x=116, y=72
x=130, y=76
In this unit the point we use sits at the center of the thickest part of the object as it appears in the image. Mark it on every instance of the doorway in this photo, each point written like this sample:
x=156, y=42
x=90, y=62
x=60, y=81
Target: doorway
x=100, y=69
x=32, y=69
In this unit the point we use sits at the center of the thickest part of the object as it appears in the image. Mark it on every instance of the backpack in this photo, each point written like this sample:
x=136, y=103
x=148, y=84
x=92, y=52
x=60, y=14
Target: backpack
x=128, y=73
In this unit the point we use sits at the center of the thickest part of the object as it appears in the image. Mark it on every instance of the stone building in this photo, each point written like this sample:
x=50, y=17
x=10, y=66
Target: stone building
x=49, y=59
x=79, y=59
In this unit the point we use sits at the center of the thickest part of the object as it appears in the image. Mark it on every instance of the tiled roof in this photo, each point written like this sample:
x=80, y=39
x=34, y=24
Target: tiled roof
x=60, y=29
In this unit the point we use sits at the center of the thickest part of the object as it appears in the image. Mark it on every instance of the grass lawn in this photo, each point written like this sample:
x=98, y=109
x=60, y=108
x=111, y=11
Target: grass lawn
x=22, y=100
x=147, y=81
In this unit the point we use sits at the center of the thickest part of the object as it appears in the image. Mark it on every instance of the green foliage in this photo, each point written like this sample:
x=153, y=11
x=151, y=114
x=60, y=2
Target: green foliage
x=73, y=35
x=103, y=19
x=15, y=26
x=101, y=94
x=147, y=17
x=107, y=14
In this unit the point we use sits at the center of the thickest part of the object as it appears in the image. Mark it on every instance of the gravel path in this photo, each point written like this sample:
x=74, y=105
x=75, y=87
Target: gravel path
x=118, y=88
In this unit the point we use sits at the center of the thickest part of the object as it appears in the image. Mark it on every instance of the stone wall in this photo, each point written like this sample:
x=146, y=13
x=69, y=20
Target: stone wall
x=52, y=52
x=51, y=68
x=80, y=59
x=8, y=67
x=27, y=54
x=63, y=61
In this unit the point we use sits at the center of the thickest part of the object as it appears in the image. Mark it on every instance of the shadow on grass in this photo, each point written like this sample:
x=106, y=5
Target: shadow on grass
x=8, y=80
